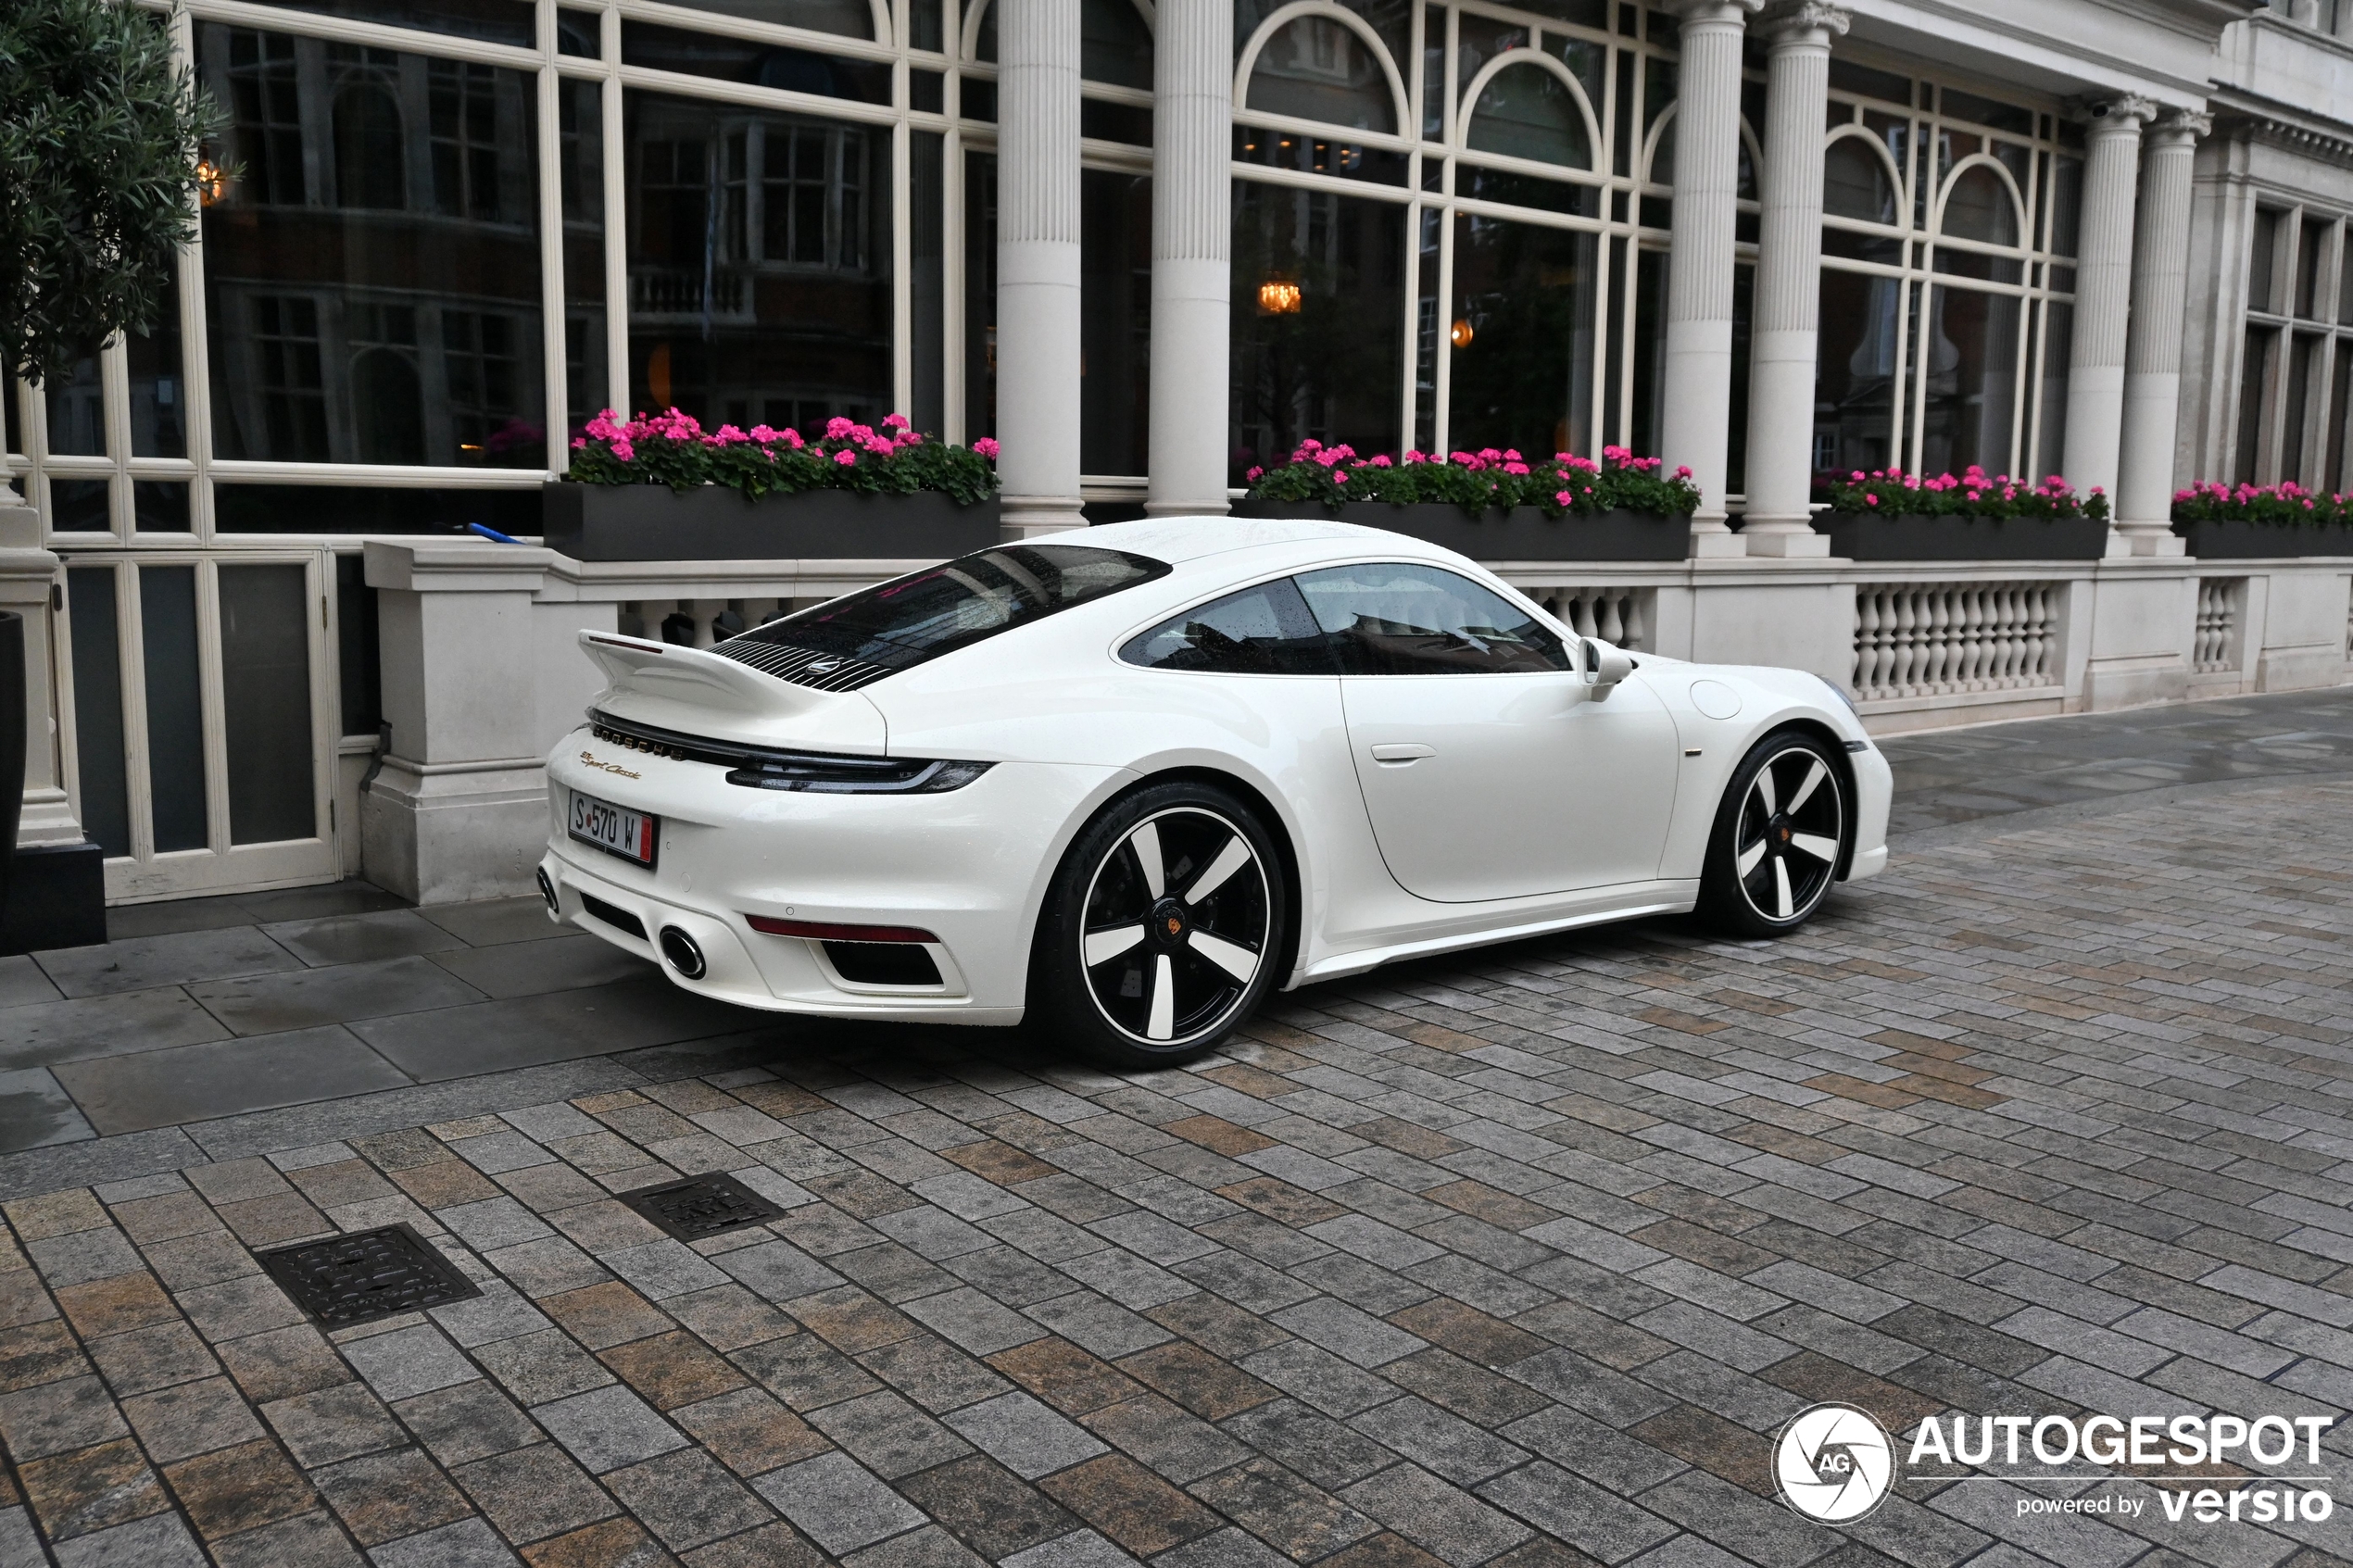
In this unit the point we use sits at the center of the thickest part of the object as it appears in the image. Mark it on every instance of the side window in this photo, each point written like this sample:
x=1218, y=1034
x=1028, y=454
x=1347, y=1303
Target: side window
x=1260, y=631
x=1422, y=620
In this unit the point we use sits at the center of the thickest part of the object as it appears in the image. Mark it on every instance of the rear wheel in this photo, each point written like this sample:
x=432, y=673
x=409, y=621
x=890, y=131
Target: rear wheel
x=1160, y=932
x=1779, y=836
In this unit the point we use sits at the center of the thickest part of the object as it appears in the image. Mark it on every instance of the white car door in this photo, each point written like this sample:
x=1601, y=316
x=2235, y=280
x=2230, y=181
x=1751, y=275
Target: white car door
x=1489, y=770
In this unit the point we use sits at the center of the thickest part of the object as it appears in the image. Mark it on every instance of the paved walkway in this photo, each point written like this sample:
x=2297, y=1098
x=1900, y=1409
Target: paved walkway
x=1511, y=1259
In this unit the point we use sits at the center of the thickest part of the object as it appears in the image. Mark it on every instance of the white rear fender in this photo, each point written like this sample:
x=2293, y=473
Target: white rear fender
x=699, y=693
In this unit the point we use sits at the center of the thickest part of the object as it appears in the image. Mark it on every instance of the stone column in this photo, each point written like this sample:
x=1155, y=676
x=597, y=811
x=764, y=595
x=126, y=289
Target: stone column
x=1193, y=250
x=1788, y=277
x=2153, y=345
x=1697, y=390
x=58, y=896
x=1038, y=270
x=2103, y=294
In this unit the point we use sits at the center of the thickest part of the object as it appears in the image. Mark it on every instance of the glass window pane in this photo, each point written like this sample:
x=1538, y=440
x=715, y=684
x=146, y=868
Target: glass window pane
x=175, y=707
x=265, y=700
x=158, y=392
x=1116, y=251
x=160, y=506
x=373, y=279
x=1526, y=111
x=1979, y=207
x=1316, y=155
x=499, y=21
x=1864, y=82
x=1318, y=332
x=2299, y=396
x=358, y=648
x=2312, y=236
x=2255, y=377
x=579, y=32
x=2058, y=345
x=2067, y=202
x=1856, y=182
x=1388, y=620
x=1985, y=111
x=97, y=707
x=1261, y=631
x=1113, y=43
x=2262, y=258
x=588, y=381
x=1647, y=349
x=78, y=411
x=1317, y=68
x=851, y=19
x=927, y=260
x=2340, y=408
x=1477, y=39
x=1854, y=370
x=758, y=263
x=343, y=509
x=760, y=65
x=980, y=295
x=1521, y=337
x=1971, y=353
x=81, y=506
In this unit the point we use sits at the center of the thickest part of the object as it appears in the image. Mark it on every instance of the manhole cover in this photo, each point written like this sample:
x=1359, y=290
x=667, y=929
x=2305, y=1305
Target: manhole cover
x=701, y=1206
x=365, y=1276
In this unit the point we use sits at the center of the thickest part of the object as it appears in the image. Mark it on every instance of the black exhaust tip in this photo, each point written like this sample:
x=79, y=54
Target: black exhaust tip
x=684, y=954
x=547, y=892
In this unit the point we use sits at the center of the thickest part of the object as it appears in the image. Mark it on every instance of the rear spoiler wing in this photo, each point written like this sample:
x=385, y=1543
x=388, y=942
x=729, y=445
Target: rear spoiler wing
x=667, y=672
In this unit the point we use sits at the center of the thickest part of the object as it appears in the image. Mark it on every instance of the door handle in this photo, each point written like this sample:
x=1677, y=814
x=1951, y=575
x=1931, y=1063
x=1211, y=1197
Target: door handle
x=1402, y=751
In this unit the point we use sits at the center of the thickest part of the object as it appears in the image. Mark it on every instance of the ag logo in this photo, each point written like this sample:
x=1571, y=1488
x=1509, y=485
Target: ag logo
x=1833, y=1463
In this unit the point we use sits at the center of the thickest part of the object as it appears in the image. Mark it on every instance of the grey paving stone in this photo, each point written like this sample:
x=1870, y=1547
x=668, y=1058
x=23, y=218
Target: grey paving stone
x=408, y=1361
x=36, y=1112
x=44, y=1034
x=21, y=982
x=487, y=923
x=159, y=1088
x=838, y=1504
x=83, y=1256
x=1023, y=1435
x=460, y=1042
x=160, y=1540
x=1080, y=1549
x=663, y=1269
x=1439, y=1517
x=340, y=939
x=469, y=1543
x=777, y=1270
x=305, y=998
x=606, y=1428
x=333, y=1424
x=535, y=968
x=141, y=963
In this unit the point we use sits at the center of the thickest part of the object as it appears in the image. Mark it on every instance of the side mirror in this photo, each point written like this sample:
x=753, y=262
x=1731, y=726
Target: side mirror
x=1601, y=666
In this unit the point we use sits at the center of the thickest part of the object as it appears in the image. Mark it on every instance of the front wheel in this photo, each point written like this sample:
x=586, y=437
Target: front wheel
x=1160, y=930
x=1779, y=836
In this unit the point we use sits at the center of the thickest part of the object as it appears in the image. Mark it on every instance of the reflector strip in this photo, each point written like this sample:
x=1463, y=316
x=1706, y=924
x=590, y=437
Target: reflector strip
x=821, y=930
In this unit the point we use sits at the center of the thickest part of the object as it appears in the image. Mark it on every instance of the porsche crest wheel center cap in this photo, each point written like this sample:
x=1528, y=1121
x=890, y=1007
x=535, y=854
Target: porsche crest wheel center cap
x=1169, y=923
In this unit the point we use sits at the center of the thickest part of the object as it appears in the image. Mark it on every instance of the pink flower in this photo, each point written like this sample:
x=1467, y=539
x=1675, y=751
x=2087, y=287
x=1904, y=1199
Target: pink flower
x=895, y=421
x=986, y=447
x=1382, y=461
x=1683, y=473
x=837, y=427
x=846, y=458
x=1254, y=475
x=622, y=449
x=1563, y=497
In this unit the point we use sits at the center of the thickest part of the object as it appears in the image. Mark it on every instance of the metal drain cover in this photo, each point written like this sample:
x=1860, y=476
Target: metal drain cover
x=365, y=1276
x=701, y=1206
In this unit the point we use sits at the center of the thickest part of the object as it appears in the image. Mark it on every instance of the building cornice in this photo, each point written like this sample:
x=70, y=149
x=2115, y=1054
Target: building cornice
x=2251, y=115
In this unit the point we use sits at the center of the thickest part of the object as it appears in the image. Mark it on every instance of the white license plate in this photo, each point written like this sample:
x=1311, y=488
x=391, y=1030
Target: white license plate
x=614, y=829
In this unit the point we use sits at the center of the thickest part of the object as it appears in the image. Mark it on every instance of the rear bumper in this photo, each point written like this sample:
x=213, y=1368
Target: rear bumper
x=968, y=866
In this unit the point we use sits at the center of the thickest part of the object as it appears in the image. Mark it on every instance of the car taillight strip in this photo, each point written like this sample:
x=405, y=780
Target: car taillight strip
x=827, y=931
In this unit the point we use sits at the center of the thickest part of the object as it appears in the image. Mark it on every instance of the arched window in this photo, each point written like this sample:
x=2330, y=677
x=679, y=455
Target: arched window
x=1526, y=111
x=370, y=163
x=1978, y=205
x=1114, y=46
x=1317, y=67
x=1856, y=183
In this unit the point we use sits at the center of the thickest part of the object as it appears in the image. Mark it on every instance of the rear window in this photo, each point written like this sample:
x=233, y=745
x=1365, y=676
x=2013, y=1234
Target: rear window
x=905, y=622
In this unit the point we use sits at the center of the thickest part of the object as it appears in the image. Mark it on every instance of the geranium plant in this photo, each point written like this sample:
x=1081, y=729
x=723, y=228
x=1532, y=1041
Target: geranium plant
x=1559, y=485
x=1972, y=493
x=2285, y=502
x=672, y=448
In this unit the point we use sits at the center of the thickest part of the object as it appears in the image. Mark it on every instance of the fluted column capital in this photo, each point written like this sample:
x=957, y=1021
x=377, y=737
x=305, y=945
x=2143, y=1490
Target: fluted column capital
x=2181, y=128
x=2112, y=116
x=1804, y=23
x=1721, y=13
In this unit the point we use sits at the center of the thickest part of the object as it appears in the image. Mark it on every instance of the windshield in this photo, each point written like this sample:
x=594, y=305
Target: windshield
x=912, y=618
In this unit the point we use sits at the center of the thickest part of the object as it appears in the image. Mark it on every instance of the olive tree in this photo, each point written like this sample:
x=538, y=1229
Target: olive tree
x=101, y=135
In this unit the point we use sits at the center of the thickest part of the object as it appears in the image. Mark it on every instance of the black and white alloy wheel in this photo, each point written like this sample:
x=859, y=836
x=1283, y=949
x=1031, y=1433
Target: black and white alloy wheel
x=1778, y=839
x=1168, y=941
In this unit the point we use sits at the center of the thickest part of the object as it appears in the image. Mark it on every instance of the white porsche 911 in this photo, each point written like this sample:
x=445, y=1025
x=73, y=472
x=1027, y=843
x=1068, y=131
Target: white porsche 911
x=1129, y=780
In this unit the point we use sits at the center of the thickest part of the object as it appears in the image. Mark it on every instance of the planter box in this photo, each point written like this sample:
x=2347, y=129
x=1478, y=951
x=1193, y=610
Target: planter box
x=655, y=522
x=2237, y=539
x=1908, y=537
x=1506, y=534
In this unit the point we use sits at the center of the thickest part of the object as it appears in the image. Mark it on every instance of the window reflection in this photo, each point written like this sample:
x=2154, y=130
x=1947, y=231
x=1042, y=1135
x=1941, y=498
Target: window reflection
x=1971, y=373
x=1115, y=296
x=372, y=278
x=1317, y=67
x=1526, y=111
x=77, y=409
x=1522, y=338
x=159, y=392
x=1855, y=372
x=758, y=263
x=1324, y=360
